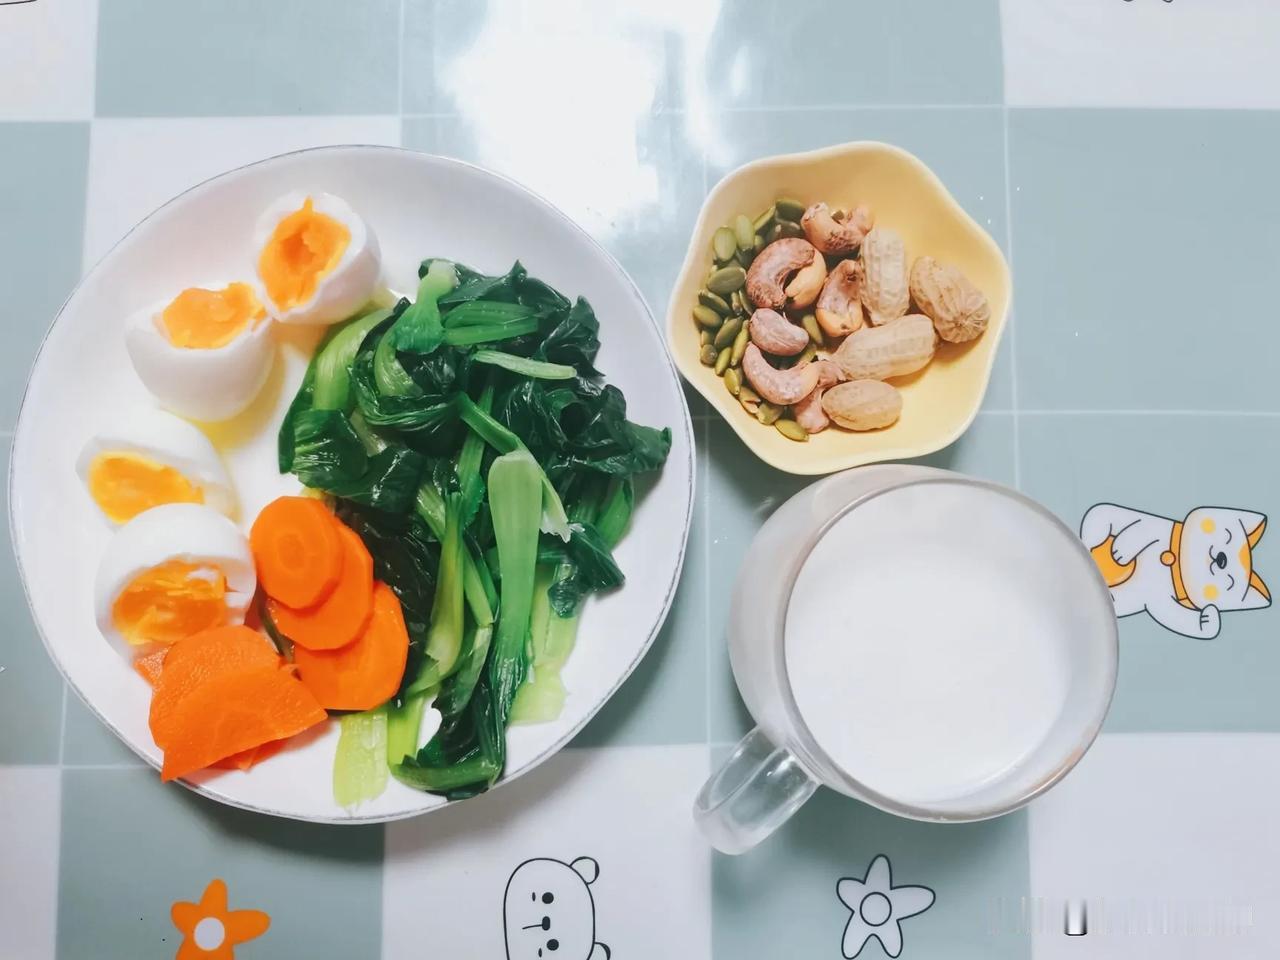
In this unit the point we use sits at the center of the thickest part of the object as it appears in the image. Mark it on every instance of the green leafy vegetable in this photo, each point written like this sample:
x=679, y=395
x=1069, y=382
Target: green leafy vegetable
x=404, y=723
x=326, y=449
x=482, y=313
x=419, y=329
x=450, y=431
x=333, y=363
x=554, y=519
x=515, y=499
x=489, y=332
x=588, y=566
x=574, y=340
x=444, y=634
x=391, y=378
x=360, y=764
x=538, y=369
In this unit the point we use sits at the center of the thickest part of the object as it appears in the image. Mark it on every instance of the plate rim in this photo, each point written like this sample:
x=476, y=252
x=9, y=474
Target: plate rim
x=22, y=425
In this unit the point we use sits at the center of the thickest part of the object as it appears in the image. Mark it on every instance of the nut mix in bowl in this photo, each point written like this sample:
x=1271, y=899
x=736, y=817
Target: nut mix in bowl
x=806, y=316
x=808, y=260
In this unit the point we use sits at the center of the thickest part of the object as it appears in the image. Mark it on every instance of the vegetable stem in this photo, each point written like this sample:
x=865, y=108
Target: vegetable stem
x=515, y=500
x=537, y=369
x=504, y=441
x=444, y=635
x=391, y=379
x=489, y=332
x=420, y=329
x=333, y=362
x=404, y=723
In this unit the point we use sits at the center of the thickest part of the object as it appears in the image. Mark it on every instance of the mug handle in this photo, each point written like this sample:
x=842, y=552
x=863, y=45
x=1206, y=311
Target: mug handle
x=753, y=793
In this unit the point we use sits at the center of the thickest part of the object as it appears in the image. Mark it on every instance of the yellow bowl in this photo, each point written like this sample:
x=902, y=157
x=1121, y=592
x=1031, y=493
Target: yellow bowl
x=939, y=403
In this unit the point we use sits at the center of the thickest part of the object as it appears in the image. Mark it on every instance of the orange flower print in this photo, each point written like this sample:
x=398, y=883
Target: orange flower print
x=209, y=930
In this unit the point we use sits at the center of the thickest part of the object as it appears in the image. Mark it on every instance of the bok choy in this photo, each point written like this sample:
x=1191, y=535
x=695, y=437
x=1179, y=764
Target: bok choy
x=470, y=441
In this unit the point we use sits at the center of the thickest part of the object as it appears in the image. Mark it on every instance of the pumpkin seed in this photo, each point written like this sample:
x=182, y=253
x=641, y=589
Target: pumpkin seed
x=764, y=219
x=739, y=346
x=733, y=381
x=738, y=305
x=722, y=361
x=726, y=334
x=718, y=304
x=773, y=234
x=706, y=317
x=788, y=209
x=743, y=231
x=708, y=355
x=705, y=337
x=726, y=280
x=810, y=324
x=723, y=243
x=747, y=395
x=789, y=228
x=807, y=354
x=791, y=430
x=768, y=412
x=759, y=244
x=744, y=257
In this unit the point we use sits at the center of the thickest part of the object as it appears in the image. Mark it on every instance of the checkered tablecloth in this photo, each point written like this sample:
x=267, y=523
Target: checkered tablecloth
x=1124, y=155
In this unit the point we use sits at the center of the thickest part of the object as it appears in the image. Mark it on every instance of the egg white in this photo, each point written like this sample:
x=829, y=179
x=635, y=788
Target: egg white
x=201, y=384
x=189, y=532
x=345, y=288
x=165, y=439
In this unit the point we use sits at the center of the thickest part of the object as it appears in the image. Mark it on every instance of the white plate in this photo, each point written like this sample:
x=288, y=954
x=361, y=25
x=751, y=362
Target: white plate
x=419, y=206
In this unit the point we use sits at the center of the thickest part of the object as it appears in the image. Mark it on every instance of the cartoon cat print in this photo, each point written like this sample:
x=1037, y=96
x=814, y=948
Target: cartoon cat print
x=1186, y=573
x=548, y=911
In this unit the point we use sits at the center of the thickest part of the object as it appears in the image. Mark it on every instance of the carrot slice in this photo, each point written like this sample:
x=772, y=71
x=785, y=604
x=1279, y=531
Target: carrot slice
x=365, y=673
x=296, y=550
x=235, y=712
x=195, y=660
x=337, y=619
x=246, y=759
x=237, y=761
x=149, y=665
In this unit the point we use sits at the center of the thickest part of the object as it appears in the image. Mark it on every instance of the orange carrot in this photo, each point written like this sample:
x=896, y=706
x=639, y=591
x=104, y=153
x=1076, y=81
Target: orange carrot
x=235, y=712
x=248, y=758
x=148, y=665
x=363, y=674
x=195, y=660
x=337, y=619
x=296, y=550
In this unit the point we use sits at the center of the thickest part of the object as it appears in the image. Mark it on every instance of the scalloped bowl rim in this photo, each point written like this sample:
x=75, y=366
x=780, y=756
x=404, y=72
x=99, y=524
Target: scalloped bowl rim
x=723, y=403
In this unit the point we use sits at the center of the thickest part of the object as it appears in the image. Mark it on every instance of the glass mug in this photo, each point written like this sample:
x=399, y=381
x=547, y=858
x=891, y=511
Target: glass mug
x=979, y=689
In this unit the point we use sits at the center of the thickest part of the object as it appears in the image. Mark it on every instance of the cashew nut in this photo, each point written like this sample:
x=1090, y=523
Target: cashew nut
x=839, y=309
x=838, y=232
x=808, y=412
x=807, y=284
x=780, y=387
x=774, y=333
x=773, y=265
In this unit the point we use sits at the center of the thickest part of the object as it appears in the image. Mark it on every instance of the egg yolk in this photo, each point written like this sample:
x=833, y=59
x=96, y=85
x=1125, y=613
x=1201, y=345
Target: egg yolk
x=303, y=248
x=169, y=602
x=204, y=319
x=124, y=484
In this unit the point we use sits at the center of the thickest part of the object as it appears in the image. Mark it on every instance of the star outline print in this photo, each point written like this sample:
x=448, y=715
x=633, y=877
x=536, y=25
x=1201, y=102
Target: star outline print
x=877, y=908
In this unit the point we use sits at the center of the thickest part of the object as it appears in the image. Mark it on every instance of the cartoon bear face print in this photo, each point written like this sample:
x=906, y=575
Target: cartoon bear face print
x=548, y=911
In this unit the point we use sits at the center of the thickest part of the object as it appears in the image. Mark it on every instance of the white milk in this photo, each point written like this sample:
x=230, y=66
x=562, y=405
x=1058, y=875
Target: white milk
x=926, y=644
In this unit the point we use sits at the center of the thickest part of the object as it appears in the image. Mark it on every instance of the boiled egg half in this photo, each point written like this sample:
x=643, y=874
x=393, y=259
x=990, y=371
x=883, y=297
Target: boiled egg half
x=170, y=572
x=318, y=261
x=148, y=458
x=206, y=353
